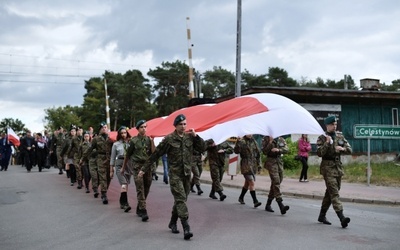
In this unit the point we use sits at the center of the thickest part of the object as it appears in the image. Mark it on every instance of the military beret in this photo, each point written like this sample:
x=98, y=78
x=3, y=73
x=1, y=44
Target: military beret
x=139, y=123
x=330, y=119
x=72, y=127
x=178, y=119
x=102, y=124
x=121, y=128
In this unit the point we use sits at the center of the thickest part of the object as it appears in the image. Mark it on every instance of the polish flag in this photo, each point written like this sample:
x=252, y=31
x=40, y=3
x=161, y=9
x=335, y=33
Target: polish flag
x=13, y=137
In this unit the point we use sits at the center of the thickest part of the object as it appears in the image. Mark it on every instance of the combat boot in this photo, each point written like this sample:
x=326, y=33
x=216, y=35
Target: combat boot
x=282, y=207
x=212, y=195
x=79, y=184
x=87, y=189
x=144, y=216
x=172, y=224
x=138, y=211
x=255, y=201
x=268, y=206
x=104, y=197
x=187, y=234
x=343, y=220
x=222, y=196
x=199, y=191
x=96, y=192
x=191, y=188
x=322, y=217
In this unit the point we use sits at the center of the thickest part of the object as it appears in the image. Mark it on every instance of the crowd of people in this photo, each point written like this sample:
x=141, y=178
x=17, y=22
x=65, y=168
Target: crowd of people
x=92, y=159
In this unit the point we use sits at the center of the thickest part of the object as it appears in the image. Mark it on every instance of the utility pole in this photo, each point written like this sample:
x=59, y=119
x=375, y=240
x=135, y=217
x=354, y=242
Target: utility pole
x=190, y=45
x=107, y=106
x=238, y=89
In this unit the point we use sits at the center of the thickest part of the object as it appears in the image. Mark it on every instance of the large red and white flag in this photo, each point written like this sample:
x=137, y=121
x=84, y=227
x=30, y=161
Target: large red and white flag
x=13, y=137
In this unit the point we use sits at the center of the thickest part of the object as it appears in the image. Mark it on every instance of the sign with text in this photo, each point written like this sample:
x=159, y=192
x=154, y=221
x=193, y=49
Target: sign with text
x=376, y=131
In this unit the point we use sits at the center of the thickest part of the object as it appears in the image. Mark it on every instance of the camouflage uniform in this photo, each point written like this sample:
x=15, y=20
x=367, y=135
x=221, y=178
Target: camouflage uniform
x=274, y=164
x=84, y=162
x=74, y=150
x=216, y=161
x=197, y=169
x=94, y=173
x=58, y=141
x=68, y=156
x=249, y=164
x=249, y=156
x=179, y=150
x=102, y=143
x=139, y=150
x=332, y=170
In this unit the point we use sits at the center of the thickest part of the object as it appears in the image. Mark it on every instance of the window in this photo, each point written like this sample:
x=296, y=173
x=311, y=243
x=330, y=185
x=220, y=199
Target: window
x=395, y=116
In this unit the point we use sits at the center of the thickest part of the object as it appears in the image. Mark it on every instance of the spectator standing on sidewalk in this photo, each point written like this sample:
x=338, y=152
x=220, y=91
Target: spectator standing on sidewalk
x=179, y=147
x=304, y=147
x=5, y=151
x=331, y=146
x=249, y=162
x=216, y=159
x=274, y=149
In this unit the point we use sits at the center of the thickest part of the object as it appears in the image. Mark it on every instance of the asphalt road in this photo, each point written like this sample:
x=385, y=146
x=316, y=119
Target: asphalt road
x=41, y=211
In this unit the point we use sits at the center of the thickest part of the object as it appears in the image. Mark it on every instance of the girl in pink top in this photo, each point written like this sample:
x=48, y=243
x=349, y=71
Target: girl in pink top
x=304, y=147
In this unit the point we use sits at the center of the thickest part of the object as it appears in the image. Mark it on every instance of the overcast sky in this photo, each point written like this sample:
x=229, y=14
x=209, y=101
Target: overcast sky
x=49, y=47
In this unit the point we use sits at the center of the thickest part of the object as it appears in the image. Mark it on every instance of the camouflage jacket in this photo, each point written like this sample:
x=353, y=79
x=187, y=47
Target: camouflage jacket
x=101, y=146
x=140, y=148
x=179, y=150
x=274, y=158
x=249, y=155
x=84, y=152
x=331, y=164
x=215, y=158
x=74, y=147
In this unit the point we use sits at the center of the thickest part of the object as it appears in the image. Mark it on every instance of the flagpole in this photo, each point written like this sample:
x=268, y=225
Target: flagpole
x=107, y=106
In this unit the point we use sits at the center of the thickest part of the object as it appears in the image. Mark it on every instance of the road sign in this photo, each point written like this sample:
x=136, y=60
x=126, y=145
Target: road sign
x=376, y=131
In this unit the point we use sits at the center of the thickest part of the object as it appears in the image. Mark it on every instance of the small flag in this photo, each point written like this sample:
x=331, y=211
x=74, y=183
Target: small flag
x=13, y=137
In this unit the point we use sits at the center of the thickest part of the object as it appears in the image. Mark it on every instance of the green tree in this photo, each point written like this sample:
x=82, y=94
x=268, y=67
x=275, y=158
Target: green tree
x=251, y=80
x=280, y=77
x=172, y=85
x=62, y=116
x=395, y=86
x=16, y=125
x=218, y=82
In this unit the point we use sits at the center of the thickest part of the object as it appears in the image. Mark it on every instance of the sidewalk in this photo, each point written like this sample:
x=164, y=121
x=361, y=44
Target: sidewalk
x=314, y=189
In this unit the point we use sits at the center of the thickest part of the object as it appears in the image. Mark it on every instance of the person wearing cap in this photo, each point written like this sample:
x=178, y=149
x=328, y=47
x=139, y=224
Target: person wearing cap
x=216, y=155
x=118, y=152
x=102, y=145
x=274, y=149
x=330, y=146
x=74, y=150
x=179, y=146
x=139, y=150
x=83, y=157
x=68, y=154
x=57, y=144
x=250, y=155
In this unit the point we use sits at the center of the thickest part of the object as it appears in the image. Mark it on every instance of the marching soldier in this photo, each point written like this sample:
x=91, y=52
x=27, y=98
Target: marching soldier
x=179, y=147
x=102, y=144
x=273, y=149
x=138, y=152
x=57, y=143
x=331, y=146
x=249, y=162
x=216, y=159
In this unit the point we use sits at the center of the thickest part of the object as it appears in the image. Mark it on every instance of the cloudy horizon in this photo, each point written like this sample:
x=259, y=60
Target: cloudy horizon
x=49, y=47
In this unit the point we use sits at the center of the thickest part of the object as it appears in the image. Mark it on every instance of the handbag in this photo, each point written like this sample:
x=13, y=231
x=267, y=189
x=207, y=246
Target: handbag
x=297, y=157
